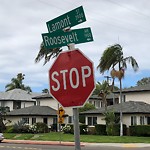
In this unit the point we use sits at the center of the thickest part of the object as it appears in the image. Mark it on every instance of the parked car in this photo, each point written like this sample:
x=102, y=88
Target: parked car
x=1, y=137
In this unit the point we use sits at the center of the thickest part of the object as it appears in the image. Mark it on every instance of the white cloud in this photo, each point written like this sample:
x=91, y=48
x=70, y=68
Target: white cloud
x=22, y=22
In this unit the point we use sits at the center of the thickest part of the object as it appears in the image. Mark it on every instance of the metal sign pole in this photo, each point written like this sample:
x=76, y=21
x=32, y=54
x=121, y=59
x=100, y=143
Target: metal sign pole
x=76, y=129
x=75, y=117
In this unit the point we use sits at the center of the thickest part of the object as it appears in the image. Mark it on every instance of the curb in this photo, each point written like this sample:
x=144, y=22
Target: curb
x=57, y=143
x=82, y=144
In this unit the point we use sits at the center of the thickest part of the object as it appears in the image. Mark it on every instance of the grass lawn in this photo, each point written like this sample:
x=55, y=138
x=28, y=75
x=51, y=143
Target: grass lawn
x=55, y=136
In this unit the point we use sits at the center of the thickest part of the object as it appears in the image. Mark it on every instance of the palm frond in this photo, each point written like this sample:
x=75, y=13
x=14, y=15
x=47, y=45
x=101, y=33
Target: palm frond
x=110, y=57
x=132, y=61
x=47, y=54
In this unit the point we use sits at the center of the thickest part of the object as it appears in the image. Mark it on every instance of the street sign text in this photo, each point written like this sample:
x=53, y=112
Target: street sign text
x=69, y=19
x=59, y=39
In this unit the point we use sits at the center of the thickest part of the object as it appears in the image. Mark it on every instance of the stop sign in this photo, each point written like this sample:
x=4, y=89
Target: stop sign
x=71, y=78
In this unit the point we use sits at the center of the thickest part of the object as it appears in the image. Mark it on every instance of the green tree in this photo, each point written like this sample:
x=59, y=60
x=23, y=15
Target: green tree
x=144, y=81
x=45, y=91
x=47, y=54
x=112, y=57
x=104, y=91
x=16, y=83
x=3, y=111
x=110, y=120
x=97, y=89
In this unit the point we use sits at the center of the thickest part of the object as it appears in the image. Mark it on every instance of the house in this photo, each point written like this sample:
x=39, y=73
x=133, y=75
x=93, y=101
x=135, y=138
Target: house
x=136, y=96
x=16, y=99
x=19, y=99
x=33, y=114
x=137, y=93
x=98, y=103
x=134, y=113
x=48, y=100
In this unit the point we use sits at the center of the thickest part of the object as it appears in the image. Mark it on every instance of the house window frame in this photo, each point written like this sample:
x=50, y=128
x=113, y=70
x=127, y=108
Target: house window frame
x=142, y=120
x=26, y=120
x=133, y=120
x=91, y=120
x=33, y=120
x=70, y=119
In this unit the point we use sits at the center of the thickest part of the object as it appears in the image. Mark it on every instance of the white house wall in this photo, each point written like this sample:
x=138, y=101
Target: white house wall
x=49, y=102
x=9, y=104
x=54, y=104
x=126, y=119
x=138, y=96
x=26, y=104
x=15, y=119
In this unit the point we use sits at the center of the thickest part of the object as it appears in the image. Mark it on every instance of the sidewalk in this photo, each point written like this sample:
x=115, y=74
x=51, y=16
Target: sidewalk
x=127, y=145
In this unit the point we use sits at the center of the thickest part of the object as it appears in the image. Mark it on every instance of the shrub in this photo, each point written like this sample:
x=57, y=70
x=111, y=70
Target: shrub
x=54, y=127
x=91, y=130
x=69, y=128
x=83, y=129
x=139, y=130
x=9, y=129
x=100, y=129
x=18, y=127
x=41, y=127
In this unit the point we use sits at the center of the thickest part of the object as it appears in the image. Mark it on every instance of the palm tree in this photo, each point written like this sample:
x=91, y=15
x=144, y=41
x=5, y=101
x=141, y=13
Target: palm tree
x=16, y=83
x=47, y=54
x=104, y=91
x=111, y=57
x=45, y=91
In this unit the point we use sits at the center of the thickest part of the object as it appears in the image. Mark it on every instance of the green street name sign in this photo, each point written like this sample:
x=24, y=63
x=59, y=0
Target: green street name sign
x=69, y=19
x=59, y=39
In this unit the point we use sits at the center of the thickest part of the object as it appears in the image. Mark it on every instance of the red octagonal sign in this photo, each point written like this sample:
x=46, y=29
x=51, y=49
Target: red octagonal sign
x=71, y=78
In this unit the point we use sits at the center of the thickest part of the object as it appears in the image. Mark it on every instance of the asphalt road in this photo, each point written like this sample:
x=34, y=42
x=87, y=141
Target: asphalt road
x=7, y=146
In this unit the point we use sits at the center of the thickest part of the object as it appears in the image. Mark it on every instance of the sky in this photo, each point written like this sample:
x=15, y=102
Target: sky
x=125, y=22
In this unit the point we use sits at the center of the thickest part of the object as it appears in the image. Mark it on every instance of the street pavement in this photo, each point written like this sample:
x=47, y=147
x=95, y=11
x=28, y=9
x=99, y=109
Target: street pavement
x=126, y=145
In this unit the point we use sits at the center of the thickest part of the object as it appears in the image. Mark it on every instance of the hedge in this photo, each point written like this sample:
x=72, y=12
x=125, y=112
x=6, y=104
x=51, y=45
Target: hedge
x=139, y=130
x=101, y=129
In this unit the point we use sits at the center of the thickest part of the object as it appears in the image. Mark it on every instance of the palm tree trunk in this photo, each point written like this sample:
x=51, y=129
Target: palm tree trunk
x=121, y=120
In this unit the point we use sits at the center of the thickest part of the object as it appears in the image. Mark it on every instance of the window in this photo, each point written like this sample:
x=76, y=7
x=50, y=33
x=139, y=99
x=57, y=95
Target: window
x=148, y=120
x=133, y=120
x=16, y=104
x=25, y=120
x=70, y=118
x=142, y=120
x=33, y=120
x=55, y=120
x=45, y=120
x=92, y=121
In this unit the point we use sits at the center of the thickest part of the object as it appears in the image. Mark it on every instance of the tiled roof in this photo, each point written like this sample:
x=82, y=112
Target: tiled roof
x=18, y=94
x=136, y=89
x=110, y=96
x=127, y=108
x=43, y=95
x=34, y=110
